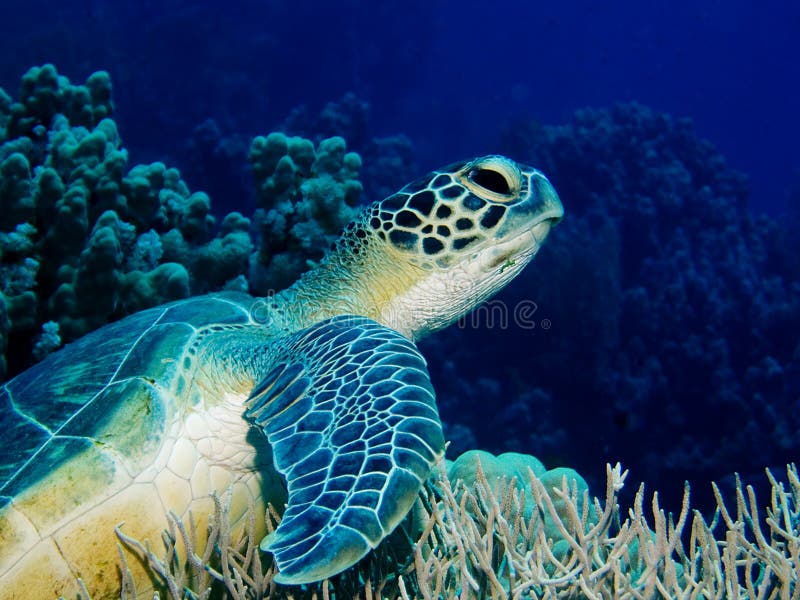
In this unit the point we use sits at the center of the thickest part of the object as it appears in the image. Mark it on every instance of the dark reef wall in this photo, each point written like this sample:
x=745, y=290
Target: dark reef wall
x=674, y=313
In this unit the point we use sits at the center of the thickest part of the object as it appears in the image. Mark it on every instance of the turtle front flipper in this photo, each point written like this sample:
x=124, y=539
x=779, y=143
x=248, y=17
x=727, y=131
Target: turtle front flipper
x=350, y=413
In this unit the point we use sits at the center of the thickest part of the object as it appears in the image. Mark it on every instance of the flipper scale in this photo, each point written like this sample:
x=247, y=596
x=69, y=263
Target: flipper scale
x=351, y=415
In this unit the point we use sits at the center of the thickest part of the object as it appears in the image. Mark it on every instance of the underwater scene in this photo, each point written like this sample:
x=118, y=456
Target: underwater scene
x=399, y=299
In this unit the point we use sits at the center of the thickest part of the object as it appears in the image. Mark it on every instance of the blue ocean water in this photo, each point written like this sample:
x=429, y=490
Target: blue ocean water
x=448, y=74
x=644, y=354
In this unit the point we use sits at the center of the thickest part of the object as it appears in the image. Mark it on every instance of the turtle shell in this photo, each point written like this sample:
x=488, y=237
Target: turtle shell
x=107, y=397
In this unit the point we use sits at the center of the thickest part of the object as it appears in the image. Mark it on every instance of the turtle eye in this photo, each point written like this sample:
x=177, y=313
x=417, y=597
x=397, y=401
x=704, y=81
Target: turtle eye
x=490, y=179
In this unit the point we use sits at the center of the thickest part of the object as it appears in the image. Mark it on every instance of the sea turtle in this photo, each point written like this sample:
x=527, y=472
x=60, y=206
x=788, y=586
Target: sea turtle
x=320, y=386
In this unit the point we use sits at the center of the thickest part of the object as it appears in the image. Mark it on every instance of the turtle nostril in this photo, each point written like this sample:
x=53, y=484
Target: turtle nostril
x=492, y=180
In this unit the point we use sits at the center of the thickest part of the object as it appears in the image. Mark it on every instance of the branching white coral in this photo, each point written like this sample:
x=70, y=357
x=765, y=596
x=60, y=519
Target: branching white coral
x=475, y=542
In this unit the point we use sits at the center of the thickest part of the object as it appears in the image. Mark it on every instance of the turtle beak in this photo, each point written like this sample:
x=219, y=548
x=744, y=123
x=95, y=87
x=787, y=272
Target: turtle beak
x=546, y=203
x=541, y=229
x=537, y=212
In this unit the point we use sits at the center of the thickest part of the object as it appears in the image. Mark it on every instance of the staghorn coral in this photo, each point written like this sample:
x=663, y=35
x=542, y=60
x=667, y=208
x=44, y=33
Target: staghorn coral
x=509, y=532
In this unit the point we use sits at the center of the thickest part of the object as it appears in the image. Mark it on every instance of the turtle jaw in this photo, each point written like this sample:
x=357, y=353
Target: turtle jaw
x=494, y=267
x=523, y=233
x=521, y=248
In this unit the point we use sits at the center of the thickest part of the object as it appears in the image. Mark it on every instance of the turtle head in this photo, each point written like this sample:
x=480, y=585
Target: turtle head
x=430, y=253
x=464, y=231
x=470, y=219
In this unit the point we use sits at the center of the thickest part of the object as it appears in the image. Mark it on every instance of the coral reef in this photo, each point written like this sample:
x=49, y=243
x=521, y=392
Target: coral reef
x=86, y=239
x=700, y=314
x=305, y=198
x=215, y=157
x=215, y=160
x=387, y=160
x=347, y=117
x=75, y=226
x=476, y=467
